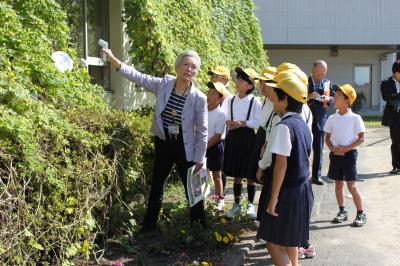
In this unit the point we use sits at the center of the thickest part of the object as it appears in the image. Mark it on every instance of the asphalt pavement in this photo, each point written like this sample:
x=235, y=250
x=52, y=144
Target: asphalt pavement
x=376, y=243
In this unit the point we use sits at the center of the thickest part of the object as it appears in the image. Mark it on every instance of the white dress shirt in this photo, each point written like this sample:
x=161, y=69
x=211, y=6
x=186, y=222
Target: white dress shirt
x=241, y=108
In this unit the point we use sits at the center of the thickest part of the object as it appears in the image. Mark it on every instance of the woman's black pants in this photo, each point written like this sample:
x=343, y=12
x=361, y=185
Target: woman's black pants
x=169, y=152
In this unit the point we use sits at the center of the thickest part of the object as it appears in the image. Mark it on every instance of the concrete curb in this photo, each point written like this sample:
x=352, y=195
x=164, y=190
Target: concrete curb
x=235, y=257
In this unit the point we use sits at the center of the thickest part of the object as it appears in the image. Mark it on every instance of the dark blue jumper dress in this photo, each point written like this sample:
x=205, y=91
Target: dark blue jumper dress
x=291, y=227
x=238, y=147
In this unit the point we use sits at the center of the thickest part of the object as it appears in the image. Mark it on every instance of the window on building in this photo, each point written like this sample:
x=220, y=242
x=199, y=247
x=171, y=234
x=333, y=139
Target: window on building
x=89, y=22
x=363, y=84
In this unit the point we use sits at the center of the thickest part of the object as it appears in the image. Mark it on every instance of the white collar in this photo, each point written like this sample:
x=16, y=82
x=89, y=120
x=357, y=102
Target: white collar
x=288, y=113
x=349, y=112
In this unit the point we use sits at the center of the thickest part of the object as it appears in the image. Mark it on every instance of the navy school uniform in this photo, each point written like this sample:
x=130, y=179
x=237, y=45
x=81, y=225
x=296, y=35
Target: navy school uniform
x=291, y=227
x=239, y=143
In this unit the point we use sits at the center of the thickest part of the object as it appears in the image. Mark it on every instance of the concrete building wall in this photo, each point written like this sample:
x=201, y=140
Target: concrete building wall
x=339, y=22
x=340, y=68
x=124, y=95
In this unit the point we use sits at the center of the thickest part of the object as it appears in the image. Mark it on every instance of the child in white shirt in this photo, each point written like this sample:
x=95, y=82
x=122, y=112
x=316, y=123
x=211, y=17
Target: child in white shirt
x=344, y=132
x=215, y=147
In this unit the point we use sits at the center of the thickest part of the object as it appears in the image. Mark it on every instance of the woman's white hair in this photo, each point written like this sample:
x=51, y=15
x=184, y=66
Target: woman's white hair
x=191, y=54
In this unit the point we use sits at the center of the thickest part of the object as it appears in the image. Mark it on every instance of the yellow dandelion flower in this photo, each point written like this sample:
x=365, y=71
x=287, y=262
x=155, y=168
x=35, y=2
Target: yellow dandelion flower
x=226, y=240
x=218, y=237
x=204, y=263
x=231, y=237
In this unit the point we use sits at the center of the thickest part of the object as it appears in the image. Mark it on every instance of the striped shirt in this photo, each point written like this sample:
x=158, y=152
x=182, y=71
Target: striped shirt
x=172, y=113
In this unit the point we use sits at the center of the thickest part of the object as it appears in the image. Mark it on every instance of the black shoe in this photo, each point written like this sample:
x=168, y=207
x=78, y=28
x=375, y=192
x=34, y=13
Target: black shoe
x=395, y=171
x=317, y=181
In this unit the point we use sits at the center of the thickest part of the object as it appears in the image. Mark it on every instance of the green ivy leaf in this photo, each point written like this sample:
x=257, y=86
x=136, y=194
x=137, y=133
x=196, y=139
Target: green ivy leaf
x=35, y=244
x=73, y=250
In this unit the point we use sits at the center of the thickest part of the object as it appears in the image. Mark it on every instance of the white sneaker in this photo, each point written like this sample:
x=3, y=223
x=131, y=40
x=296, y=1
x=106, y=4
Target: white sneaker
x=251, y=212
x=219, y=205
x=234, y=211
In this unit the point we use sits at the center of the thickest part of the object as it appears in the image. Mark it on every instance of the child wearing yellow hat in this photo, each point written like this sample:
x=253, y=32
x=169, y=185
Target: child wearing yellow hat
x=215, y=147
x=242, y=121
x=285, y=224
x=222, y=74
x=268, y=120
x=344, y=132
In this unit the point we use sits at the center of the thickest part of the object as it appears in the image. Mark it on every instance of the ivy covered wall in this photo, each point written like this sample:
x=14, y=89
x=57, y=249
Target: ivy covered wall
x=223, y=32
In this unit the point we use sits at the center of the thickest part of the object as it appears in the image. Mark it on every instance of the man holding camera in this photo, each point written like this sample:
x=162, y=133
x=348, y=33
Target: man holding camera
x=390, y=89
x=320, y=96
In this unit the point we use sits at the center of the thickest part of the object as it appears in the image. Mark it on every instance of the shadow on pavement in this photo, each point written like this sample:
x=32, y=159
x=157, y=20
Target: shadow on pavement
x=320, y=222
x=362, y=177
x=333, y=225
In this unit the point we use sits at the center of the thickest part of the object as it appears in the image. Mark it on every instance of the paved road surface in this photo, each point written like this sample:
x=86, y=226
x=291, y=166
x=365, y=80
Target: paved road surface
x=377, y=243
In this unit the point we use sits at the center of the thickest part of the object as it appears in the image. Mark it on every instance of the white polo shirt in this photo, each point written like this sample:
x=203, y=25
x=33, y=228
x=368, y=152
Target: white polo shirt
x=216, y=122
x=344, y=128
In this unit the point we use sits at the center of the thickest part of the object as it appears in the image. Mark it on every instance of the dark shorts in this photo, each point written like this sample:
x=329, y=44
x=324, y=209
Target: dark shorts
x=343, y=168
x=215, y=157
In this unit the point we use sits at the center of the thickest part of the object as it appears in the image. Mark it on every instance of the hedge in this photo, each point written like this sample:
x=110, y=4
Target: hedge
x=65, y=158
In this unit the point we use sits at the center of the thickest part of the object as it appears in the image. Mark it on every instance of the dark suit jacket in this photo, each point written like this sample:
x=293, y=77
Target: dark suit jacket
x=317, y=108
x=392, y=98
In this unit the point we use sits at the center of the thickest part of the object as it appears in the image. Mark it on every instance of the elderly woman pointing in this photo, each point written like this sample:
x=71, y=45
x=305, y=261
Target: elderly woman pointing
x=179, y=126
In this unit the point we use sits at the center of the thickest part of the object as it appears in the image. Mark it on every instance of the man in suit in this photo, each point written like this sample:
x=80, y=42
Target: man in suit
x=318, y=101
x=390, y=89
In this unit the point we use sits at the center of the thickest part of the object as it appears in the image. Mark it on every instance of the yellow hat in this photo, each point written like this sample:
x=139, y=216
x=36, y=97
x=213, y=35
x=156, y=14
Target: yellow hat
x=348, y=90
x=299, y=73
x=248, y=73
x=220, y=70
x=268, y=73
x=291, y=84
x=280, y=76
x=218, y=86
x=285, y=66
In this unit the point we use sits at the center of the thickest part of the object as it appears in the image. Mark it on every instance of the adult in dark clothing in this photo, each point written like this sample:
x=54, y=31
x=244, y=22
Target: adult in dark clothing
x=320, y=97
x=390, y=89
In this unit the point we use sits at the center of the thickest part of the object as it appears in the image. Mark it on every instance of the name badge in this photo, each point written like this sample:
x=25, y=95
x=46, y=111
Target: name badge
x=173, y=129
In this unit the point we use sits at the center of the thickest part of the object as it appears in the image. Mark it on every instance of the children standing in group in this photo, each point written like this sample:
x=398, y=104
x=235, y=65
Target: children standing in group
x=344, y=132
x=285, y=226
x=242, y=120
x=216, y=129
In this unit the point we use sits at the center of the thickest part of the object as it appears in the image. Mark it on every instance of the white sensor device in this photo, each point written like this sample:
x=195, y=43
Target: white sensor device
x=104, y=45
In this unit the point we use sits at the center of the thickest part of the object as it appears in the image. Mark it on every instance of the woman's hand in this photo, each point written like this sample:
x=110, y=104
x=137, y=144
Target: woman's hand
x=111, y=58
x=198, y=167
x=272, y=206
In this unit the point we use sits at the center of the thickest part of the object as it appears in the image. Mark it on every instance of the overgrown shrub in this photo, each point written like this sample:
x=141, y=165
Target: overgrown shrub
x=223, y=32
x=65, y=158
